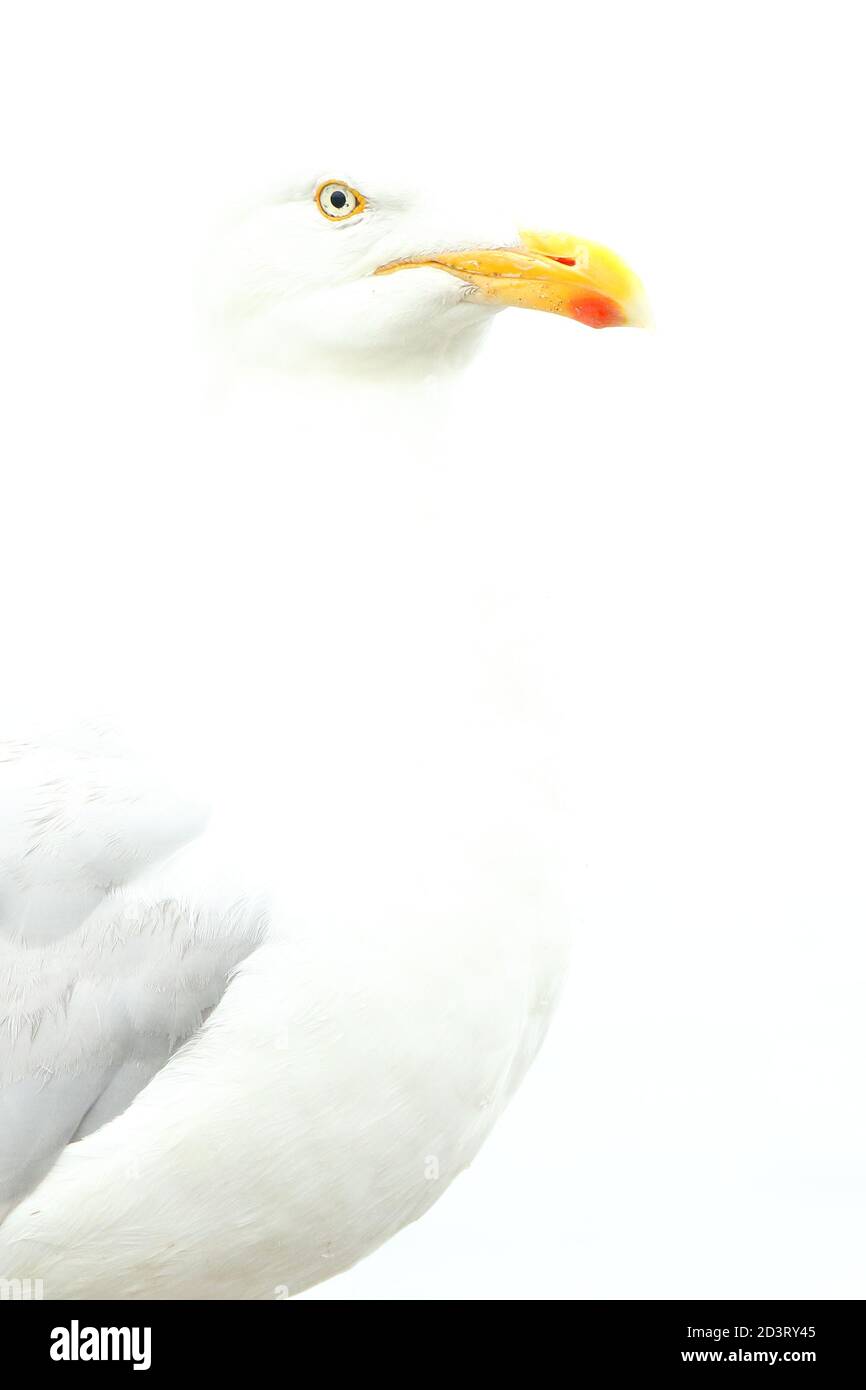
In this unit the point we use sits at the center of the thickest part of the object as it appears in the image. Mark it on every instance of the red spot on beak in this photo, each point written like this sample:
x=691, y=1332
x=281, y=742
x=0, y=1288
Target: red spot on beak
x=564, y=260
x=597, y=311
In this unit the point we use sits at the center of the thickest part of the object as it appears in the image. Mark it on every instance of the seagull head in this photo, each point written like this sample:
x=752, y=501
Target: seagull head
x=339, y=271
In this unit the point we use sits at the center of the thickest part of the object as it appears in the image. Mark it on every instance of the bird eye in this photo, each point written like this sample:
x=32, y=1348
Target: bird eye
x=338, y=201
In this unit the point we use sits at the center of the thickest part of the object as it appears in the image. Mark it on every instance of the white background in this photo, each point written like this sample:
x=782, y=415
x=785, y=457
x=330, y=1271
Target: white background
x=695, y=1124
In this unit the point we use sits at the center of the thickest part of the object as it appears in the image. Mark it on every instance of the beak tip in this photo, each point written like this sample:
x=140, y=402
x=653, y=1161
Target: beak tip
x=639, y=314
x=596, y=310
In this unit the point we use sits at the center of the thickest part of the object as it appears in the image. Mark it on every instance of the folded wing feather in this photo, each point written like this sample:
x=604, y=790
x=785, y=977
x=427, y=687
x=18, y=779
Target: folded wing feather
x=102, y=976
x=88, y=1020
x=80, y=814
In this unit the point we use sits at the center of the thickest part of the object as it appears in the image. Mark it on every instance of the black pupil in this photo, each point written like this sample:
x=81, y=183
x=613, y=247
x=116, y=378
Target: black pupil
x=338, y=198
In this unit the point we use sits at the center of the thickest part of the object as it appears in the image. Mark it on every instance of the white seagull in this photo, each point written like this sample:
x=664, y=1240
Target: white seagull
x=233, y=1076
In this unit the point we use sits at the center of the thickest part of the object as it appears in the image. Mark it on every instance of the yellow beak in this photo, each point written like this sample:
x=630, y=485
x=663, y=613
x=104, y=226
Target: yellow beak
x=551, y=271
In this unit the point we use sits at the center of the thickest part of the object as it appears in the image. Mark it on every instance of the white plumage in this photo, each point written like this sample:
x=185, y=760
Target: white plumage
x=235, y=1059
x=352, y=1068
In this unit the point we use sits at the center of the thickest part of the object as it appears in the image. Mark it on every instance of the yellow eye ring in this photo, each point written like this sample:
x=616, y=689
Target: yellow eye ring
x=337, y=200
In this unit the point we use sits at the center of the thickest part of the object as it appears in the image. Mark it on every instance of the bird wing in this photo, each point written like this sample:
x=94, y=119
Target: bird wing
x=79, y=815
x=87, y=1020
